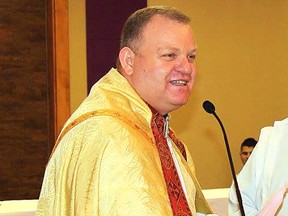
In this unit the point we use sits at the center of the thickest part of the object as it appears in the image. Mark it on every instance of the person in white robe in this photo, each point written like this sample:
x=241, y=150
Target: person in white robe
x=263, y=180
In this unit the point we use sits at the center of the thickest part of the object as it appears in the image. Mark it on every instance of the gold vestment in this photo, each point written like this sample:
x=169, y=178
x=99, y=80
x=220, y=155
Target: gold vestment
x=106, y=162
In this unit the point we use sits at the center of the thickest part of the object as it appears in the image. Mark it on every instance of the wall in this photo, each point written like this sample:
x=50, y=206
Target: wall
x=77, y=50
x=242, y=62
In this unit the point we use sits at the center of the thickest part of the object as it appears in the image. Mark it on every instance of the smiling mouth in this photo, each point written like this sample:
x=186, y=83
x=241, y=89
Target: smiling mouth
x=179, y=82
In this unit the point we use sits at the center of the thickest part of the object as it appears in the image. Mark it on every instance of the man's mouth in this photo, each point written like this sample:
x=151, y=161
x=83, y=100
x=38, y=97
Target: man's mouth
x=178, y=82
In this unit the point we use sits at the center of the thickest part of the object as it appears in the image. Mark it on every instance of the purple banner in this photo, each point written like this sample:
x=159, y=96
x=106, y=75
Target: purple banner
x=104, y=22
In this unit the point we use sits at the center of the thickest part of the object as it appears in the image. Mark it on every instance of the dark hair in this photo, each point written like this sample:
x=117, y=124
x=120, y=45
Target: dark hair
x=133, y=27
x=250, y=142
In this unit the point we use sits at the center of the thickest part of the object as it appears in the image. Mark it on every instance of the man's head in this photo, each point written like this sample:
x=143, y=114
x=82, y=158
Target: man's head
x=157, y=56
x=246, y=149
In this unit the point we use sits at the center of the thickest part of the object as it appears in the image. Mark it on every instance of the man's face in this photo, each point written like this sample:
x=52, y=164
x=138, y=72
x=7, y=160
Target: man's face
x=164, y=64
x=245, y=153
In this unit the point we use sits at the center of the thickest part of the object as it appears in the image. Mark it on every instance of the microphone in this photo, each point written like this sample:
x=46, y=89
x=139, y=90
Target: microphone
x=210, y=108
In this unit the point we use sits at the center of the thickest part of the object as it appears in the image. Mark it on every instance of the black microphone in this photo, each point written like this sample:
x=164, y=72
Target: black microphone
x=210, y=108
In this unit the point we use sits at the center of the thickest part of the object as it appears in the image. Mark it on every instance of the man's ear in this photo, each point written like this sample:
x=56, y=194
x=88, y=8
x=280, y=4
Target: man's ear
x=126, y=58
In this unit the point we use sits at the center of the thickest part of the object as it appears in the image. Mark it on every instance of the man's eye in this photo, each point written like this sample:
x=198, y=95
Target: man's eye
x=191, y=58
x=169, y=56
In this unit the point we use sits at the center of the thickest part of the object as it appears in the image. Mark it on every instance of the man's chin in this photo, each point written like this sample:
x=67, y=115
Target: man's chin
x=178, y=104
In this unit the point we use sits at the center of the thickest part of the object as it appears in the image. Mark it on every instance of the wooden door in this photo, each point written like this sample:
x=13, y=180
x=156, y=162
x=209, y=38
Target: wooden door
x=34, y=91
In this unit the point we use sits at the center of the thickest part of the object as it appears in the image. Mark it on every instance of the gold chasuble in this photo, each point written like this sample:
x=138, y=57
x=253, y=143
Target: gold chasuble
x=106, y=163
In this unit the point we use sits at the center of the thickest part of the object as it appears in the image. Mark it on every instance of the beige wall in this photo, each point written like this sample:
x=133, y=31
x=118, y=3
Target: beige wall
x=242, y=68
x=77, y=57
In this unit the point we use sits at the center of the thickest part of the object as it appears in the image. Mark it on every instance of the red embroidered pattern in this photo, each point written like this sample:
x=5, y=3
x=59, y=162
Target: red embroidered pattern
x=176, y=194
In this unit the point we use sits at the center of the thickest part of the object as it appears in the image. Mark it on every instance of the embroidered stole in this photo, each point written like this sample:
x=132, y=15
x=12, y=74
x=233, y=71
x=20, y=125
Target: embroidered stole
x=176, y=194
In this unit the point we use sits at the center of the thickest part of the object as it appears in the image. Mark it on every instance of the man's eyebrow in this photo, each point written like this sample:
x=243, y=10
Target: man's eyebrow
x=193, y=51
x=168, y=48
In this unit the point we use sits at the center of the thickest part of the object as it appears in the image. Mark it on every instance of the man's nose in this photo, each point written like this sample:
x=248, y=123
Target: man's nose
x=185, y=66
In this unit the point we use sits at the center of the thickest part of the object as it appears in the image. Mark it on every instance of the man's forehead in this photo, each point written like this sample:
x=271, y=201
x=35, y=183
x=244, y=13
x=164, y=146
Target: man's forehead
x=247, y=148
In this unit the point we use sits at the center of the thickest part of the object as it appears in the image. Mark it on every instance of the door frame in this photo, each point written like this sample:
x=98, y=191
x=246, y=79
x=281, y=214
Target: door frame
x=58, y=67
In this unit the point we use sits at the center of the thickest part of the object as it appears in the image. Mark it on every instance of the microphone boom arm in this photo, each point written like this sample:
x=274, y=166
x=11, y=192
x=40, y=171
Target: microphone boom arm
x=231, y=165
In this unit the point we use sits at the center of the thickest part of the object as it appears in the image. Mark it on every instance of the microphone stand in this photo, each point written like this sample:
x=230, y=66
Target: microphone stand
x=231, y=165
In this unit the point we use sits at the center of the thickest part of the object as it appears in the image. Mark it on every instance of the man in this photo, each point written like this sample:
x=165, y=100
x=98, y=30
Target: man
x=116, y=154
x=246, y=149
x=263, y=181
